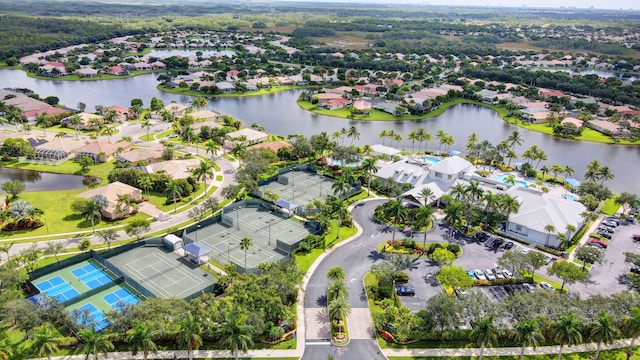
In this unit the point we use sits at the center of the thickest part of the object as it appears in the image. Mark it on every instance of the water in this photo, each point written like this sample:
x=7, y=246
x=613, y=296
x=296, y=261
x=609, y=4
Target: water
x=280, y=115
x=163, y=54
x=569, y=197
x=342, y=163
x=503, y=179
x=42, y=181
x=430, y=160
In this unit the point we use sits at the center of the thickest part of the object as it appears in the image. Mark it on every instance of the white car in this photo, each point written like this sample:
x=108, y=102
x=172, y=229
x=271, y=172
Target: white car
x=524, y=250
x=489, y=274
x=546, y=286
x=507, y=274
x=479, y=274
x=499, y=274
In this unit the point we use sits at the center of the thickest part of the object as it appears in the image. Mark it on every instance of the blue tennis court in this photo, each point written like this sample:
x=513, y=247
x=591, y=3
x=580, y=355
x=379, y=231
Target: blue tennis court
x=57, y=287
x=95, y=317
x=119, y=295
x=92, y=276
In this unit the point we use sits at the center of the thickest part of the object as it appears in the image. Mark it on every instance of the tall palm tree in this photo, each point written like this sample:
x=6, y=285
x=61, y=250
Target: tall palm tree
x=75, y=121
x=146, y=124
x=189, y=333
x=383, y=135
x=43, y=121
x=425, y=217
x=146, y=184
x=568, y=170
x=566, y=331
x=603, y=331
x=423, y=136
x=337, y=289
x=341, y=186
x=604, y=174
x=91, y=211
x=440, y=136
x=515, y=139
x=236, y=333
x=395, y=211
x=199, y=102
x=140, y=337
x=549, y=228
x=632, y=327
x=175, y=191
x=528, y=333
x=472, y=140
x=413, y=136
x=94, y=343
x=45, y=340
x=109, y=130
x=245, y=244
x=484, y=333
x=211, y=147
x=339, y=309
x=427, y=196
x=593, y=169
x=336, y=273
x=204, y=170
x=353, y=134
x=369, y=165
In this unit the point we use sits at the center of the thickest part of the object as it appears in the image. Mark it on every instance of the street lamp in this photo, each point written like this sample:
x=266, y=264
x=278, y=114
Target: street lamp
x=238, y=217
x=197, y=230
x=269, y=223
x=228, y=245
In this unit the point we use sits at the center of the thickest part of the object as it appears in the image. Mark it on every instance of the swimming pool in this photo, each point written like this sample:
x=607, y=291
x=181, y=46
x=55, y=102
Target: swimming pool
x=502, y=178
x=343, y=163
x=570, y=197
x=430, y=160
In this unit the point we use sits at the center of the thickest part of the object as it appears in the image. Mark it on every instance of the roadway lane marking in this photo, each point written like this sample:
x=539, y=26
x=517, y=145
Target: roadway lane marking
x=318, y=343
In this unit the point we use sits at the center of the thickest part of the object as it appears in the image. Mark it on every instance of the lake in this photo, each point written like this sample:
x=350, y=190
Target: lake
x=280, y=115
x=42, y=181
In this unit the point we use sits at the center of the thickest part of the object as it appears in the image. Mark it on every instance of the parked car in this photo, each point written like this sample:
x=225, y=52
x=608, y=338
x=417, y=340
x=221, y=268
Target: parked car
x=636, y=237
x=497, y=243
x=405, y=291
x=599, y=243
x=605, y=228
x=481, y=236
x=546, y=286
x=499, y=274
x=631, y=219
x=610, y=223
x=615, y=219
x=489, y=274
x=509, y=245
x=635, y=270
x=530, y=287
x=507, y=274
x=459, y=292
x=472, y=275
x=604, y=234
x=524, y=250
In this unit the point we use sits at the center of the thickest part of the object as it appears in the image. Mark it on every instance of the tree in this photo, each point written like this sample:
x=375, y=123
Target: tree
x=189, y=333
x=13, y=188
x=146, y=124
x=108, y=236
x=442, y=312
x=199, y=102
x=339, y=309
x=91, y=211
x=336, y=273
x=140, y=337
x=45, y=340
x=204, y=170
x=43, y=121
x=174, y=191
x=211, y=147
x=588, y=255
x=245, y=244
x=632, y=327
x=145, y=184
x=603, y=331
x=156, y=104
x=566, y=331
x=566, y=271
x=626, y=200
x=94, y=343
x=454, y=277
x=75, y=121
x=535, y=260
x=54, y=248
x=528, y=333
x=109, y=130
x=425, y=216
x=484, y=333
x=443, y=257
x=549, y=228
x=235, y=332
x=369, y=165
x=85, y=163
x=137, y=227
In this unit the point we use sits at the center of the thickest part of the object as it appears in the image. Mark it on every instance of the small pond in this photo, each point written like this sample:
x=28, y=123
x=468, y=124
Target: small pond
x=42, y=181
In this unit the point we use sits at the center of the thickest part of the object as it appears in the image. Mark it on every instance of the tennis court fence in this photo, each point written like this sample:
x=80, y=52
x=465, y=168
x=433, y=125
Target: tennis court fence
x=126, y=278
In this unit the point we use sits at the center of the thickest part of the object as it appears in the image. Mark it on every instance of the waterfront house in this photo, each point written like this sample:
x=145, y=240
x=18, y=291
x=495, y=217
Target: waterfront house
x=112, y=192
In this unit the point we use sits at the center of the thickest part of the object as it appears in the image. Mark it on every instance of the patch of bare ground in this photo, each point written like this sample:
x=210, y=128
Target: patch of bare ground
x=345, y=41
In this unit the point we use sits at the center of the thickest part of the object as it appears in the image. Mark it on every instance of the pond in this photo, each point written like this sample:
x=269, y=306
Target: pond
x=42, y=181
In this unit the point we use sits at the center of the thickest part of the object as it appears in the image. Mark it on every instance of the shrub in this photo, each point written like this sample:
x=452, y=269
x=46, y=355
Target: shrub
x=551, y=251
x=454, y=248
x=401, y=277
x=409, y=243
x=433, y=248
x=385, y=291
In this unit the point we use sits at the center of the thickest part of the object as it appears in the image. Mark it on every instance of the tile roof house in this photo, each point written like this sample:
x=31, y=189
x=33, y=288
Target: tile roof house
x=333, y=104
x=112, y=193
x=147, y=155
x=604, y=126
x=250, y=136
x=101, y=151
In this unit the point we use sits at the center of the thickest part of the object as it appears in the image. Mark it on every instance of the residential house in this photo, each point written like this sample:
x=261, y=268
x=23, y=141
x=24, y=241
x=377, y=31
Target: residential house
x=88, y=121
x=248, y=136
x=113, y=192
x=176, y=169
x=116, y=70
x=57, y=149
x=333, y=104
x=87, y=72
x=362, y=107
x=604, y=126
x=102, y=151
x=142, y=155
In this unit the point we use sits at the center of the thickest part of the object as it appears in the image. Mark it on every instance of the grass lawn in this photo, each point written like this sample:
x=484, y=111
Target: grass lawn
x=76, y=77
x=617, y=354
x=304, y=261
x=610, y=207
x=189, y=92
x=153, y=136
x=67, y=167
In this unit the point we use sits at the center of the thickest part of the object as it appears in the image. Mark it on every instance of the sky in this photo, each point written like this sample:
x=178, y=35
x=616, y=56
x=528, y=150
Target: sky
x=597, y=4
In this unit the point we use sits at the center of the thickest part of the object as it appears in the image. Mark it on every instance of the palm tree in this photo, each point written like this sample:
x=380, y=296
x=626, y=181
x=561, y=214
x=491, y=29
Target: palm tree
x=353, y=134
x=395, y=211
x=472, y=140
x=337, y=289
x=568, y=170
x=632, y=327
x=593, y=169
x=94, y=343
x=427, y=196
x=528, y=333
x=423, y=136
x=515, y=139
x=383, y=135
x=146, y=184
x=339, y=309
x=603, y=331
x=341, y=186
x=199, y=102
x=211, y=147
x=484, y=333
x=109, y=130
x=175, y=191
x=440, y=136
x=369, y=165
x=604, y=174
x=43, y=121
x=453, y=214
x=413, y=136
x=45, y=340
x=245, y=244
x=75, y=121
x=140, y=337
x=91, y=211
x=146, y=124
x=336, y=273
x=566, y=331
x=549, y=228
x=555, y=169
x=201, y=172
x=189, y=333
x=425, y=217
x=570, y=229
x=236, y=333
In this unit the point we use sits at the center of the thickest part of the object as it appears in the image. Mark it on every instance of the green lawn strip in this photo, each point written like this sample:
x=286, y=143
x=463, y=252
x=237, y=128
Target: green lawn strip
x=76, y=77
x=153, y=136
x=610, y=206
x=582, y=263
x=615, y=354
x=538, y=279
x=304, y=261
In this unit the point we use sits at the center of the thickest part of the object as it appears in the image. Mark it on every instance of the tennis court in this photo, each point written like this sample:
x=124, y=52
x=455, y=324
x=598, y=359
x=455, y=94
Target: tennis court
x=56, y=287
x=91, y=276
x=300, y=187
x=165, y=274
x=94, y=317
x=273, y=236
x=119, y=296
